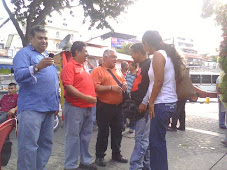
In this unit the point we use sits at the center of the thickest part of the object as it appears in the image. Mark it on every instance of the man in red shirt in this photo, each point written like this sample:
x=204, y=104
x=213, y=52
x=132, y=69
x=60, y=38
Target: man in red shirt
x=80, y=101
x=8, y=103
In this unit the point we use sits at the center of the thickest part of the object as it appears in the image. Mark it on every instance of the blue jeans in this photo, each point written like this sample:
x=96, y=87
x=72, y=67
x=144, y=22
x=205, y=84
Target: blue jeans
x=35, y=134
x=78, y=130
x=158, y=150
x=221, y=115
x=93, y=110
x=141, y=154
x=132, y=124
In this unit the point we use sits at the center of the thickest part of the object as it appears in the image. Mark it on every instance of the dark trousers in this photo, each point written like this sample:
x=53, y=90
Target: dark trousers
x=179, y=114
x=109, y=116
x=3, y=116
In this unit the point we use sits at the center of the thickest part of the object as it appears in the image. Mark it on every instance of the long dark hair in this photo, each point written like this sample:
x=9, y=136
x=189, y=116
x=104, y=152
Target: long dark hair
x=153, y=39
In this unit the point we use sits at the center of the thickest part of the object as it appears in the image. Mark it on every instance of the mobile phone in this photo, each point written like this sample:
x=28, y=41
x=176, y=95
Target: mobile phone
x=51, y=55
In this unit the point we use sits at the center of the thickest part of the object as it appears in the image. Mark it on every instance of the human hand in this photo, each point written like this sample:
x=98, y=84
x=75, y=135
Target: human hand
x=12, y=111
x=56, y=113
x=117, y=89
x=142, y=108
x=45, y=62
x=151, y=110
x=125, y=87
x=91, y=99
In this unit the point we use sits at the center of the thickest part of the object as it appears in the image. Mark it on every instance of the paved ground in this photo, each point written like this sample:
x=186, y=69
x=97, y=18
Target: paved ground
x=197, y=148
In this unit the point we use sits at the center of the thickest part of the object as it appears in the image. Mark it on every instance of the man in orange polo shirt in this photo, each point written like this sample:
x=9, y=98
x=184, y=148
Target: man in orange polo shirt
x=80, y=100
x=109, y=107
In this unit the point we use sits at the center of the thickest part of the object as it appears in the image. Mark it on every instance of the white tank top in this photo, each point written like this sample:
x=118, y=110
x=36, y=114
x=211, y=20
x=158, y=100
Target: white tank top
x=167, y=93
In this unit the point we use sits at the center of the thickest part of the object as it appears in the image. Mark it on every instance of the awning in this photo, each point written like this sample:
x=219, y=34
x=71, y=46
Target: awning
x=3, y=66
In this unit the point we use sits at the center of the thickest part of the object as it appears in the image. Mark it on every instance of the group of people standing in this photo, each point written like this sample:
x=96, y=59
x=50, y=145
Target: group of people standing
x=153, y=90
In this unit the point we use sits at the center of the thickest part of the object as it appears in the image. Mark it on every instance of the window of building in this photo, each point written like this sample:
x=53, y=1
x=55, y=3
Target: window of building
x=214, y=78
x=206, y=79
x=195, y=78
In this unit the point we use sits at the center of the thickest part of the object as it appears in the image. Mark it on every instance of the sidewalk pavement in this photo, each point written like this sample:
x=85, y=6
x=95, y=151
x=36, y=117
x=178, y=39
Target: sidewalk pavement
x=197, y=148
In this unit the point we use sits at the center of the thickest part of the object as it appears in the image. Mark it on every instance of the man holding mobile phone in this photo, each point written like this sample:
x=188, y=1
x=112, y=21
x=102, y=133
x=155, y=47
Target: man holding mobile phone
x=38, y=101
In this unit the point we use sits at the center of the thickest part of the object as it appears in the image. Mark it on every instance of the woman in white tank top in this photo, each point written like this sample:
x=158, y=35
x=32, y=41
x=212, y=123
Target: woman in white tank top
x=163, y=72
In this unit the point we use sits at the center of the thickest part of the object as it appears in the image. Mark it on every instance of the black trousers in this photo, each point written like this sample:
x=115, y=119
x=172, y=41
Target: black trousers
x=108, y=117
x=179, y=114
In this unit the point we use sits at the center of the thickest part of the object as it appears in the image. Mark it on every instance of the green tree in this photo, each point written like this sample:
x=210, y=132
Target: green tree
x=125, y=49
x=33, y=12
x=219, y=10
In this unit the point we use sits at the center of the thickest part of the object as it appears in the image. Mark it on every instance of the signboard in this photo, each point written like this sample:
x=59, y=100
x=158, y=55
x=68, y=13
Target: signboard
x=117, y=42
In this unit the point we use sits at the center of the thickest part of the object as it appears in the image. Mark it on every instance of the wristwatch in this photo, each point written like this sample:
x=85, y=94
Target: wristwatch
x=36, y=68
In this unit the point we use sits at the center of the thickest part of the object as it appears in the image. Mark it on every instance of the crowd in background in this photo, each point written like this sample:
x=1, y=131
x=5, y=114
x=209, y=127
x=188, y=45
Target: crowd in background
x=150, y=81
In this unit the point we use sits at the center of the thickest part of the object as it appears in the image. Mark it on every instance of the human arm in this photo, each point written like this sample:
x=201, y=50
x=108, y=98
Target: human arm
x=23, y=66
x=99, y=87
x=72, y=91
x=124, y=83
x=68, y=79
x=143, y=105
x=158, y=65
x=12, y=111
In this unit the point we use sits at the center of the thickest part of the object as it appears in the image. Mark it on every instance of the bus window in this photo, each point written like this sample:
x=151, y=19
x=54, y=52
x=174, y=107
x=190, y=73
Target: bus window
x=206, y=79
x=214, y=78
x=195, y=78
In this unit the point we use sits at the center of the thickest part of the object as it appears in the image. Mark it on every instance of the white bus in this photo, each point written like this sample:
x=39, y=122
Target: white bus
x=204, y=84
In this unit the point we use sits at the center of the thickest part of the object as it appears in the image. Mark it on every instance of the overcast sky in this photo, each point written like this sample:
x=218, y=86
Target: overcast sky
x=170, y=18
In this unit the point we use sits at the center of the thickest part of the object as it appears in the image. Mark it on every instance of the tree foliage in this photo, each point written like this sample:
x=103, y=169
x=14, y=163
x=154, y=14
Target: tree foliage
x=33, y=12
x=222, y=19
x=125, y=49
x=219, y=10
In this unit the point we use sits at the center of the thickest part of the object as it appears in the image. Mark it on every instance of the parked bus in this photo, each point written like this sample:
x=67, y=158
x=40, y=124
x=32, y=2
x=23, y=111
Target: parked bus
x=204, y=84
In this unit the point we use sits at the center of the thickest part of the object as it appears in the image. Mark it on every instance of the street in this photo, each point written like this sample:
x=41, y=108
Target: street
x=197, y=148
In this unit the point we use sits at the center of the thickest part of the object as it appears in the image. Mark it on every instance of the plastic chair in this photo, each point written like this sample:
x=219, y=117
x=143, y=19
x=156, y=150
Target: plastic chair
x=5, y=129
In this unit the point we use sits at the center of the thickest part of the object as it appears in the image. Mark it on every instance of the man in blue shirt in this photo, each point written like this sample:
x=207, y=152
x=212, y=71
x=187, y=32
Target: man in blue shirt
x=38, y=101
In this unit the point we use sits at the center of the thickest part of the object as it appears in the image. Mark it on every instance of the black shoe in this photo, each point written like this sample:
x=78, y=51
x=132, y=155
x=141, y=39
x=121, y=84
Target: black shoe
x=100, y=162
x=181, y=128
x=171, y=129
x=89, y=167
x=119, y=158
x=223, y=127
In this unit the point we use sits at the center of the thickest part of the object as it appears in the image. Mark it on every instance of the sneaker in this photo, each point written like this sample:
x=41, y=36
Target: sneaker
x=88, y=167
x=100, y=162
x=119, y=158
x=131, y=131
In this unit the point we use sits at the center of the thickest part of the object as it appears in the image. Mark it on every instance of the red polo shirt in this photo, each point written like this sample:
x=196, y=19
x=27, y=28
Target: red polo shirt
x=8, y=102
x=75, y=74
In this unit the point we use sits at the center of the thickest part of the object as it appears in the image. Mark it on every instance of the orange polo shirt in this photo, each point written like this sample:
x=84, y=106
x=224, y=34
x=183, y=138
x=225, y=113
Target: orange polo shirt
x=101, y=76
x=75, y=74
